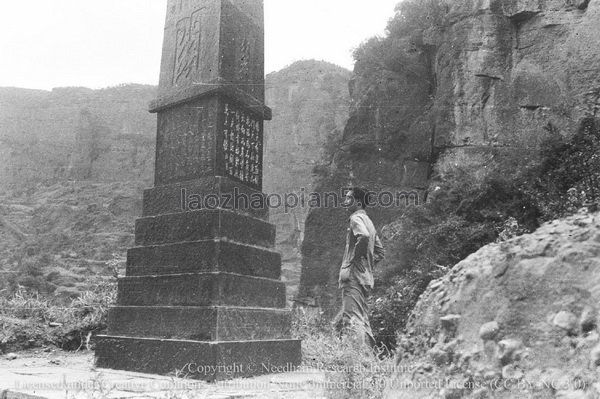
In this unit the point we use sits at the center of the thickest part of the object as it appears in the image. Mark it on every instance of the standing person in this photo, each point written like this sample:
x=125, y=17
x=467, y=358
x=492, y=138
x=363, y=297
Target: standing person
x=363, y=251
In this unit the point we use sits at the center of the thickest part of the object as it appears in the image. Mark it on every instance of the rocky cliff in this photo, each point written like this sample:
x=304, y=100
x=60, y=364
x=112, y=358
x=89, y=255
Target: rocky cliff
x=470, y=84
x=76, y=134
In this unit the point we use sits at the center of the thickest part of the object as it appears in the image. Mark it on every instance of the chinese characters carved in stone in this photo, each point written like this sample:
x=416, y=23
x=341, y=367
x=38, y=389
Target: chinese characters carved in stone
x=242, y=145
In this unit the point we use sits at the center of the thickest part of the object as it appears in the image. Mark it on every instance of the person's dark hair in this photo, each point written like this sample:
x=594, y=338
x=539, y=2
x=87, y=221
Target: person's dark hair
x=360, y=195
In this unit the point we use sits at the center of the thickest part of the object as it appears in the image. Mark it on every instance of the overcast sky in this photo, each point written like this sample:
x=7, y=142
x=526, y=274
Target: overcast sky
x=100, y=43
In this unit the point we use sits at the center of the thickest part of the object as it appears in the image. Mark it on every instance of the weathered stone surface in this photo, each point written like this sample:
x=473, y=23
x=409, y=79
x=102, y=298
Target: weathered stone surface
x=450, y=323
x=521, y=10
x=553, y=271
x=201, y=225
x=202, y=289
x=110, y=139
x=185, y=142
x=512, y=372
x=212, y=135
x=199, y=360
x=595, y=355
x=168, y=198
x=589, y=319
x=489, y=330
x=200, y=323
x=566, y=321
x=203, y=256
x=480, y=393
x=211, y=42
x=574, y=394
x=511, y=66
x=439, y=356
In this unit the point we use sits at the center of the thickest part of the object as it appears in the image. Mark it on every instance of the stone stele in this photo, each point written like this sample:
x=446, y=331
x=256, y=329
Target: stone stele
x=202, y=295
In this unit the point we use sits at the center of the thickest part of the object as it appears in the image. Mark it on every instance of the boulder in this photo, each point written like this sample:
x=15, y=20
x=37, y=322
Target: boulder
x=566, y=321
x=488, y=331
x=541, y=306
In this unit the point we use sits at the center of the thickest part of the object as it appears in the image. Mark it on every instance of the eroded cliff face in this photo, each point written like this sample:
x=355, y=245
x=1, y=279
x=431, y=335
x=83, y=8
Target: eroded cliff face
x=76, y=134
x=507, y=69
x=486, y=82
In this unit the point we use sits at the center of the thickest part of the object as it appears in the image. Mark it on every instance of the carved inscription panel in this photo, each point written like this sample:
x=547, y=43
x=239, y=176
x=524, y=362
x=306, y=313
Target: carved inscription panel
x=188, y=47
x=246, y=46
x=242, y=145
x=185, y=140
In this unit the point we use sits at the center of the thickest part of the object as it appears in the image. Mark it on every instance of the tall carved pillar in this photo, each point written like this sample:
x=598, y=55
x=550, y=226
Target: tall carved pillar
x=202, y=289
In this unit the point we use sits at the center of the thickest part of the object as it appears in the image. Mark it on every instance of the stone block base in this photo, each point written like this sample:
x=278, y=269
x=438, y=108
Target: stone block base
x=215, y=323
x=203, y=256
x=174, y=198
x=207, y=361
x=201, y=289
x=204, y=224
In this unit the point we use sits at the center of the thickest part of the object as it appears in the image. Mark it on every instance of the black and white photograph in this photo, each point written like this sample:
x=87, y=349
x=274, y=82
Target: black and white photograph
x=300, y=199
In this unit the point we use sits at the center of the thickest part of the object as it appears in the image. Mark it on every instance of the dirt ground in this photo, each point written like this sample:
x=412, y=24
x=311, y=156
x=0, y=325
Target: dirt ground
x=51, y=373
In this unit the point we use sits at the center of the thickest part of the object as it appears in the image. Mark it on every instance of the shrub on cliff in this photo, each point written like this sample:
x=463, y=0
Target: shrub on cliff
x=416, y=16
x=566, y=176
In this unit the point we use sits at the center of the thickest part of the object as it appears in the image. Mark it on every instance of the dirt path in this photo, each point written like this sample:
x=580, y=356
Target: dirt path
x=51, y=373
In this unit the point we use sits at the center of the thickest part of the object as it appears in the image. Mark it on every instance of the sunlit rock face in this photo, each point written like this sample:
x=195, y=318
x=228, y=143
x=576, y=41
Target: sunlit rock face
x=506, y=69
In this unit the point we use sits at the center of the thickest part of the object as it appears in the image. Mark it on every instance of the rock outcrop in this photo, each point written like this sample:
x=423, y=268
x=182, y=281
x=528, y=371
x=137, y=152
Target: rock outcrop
x=525, y=315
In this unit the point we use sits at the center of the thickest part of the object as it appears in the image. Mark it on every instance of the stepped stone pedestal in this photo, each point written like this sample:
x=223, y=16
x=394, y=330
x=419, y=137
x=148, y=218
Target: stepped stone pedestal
x=202, y=295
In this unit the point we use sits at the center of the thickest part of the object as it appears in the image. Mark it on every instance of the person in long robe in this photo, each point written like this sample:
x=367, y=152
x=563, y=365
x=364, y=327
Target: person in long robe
x=363, y=251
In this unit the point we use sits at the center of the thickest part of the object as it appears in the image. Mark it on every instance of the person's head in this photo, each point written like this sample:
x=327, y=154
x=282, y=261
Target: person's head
x=356, y=198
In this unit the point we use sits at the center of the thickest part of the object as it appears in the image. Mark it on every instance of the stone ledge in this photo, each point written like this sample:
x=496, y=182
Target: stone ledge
x=203, y=256
x=216, y=323
x=167, y=199
x=204, y=224
x=201, y=289
x=210, y=89
x=207, y=361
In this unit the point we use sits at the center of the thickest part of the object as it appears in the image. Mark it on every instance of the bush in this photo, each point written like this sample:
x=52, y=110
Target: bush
x=566, y=176
x=28, y=319
x=417, y=15
x=351, y=368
